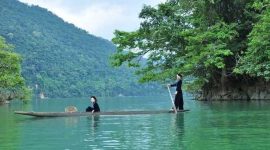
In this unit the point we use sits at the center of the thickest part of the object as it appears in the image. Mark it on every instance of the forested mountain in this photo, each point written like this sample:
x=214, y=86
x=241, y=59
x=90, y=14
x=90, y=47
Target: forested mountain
x=60, y=59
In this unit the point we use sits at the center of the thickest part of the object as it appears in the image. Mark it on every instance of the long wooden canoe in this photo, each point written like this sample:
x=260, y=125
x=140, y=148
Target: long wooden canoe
x=70, y=114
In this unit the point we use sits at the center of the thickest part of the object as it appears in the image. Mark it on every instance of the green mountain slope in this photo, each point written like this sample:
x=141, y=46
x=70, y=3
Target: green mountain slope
x=60, y=59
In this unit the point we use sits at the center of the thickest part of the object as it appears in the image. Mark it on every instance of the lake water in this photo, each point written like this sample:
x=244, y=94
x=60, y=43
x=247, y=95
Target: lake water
x=231, y=125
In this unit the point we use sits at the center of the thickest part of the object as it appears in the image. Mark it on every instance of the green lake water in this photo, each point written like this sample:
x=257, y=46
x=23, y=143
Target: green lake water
x=223, y=125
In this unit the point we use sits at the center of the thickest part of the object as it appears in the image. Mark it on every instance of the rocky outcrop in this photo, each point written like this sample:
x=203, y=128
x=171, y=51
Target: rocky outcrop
x=6, y=95
x=237, y=90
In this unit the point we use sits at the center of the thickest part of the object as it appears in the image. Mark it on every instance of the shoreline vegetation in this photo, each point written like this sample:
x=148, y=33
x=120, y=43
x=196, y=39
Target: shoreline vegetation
x=12, y=84
x=222, y=45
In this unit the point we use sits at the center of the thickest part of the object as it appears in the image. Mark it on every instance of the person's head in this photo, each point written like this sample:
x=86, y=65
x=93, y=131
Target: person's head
x=179, y=76
x=93, y=99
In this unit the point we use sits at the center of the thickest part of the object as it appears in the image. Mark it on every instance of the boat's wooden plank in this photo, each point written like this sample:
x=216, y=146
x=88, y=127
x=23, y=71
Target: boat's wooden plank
x=66, y=114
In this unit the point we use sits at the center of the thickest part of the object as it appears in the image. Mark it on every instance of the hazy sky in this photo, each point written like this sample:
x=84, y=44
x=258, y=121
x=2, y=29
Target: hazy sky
x=98, y=17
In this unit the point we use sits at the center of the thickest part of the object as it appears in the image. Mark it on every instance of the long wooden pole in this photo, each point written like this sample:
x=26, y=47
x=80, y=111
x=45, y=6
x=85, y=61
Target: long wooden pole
x=175, y=111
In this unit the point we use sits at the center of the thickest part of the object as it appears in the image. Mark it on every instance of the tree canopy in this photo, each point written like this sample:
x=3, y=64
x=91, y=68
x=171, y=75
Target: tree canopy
x=12, y=83
x=256, y=59
x=210, y=40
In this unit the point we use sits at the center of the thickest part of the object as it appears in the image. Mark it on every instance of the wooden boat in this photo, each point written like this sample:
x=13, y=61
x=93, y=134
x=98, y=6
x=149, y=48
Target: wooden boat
x=70, y=114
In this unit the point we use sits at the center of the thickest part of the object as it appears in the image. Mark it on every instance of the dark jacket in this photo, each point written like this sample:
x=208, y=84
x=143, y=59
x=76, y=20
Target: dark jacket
x=95, y=108
x=178, y=85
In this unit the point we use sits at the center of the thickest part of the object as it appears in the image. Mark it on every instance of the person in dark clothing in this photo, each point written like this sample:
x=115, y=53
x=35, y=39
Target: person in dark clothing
x=178, y=101
x=95, y=107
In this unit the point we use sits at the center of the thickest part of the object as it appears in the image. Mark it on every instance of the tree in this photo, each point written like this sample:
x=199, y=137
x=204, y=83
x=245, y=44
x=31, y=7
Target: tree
x=258, y=45
x=12, y=84
x=210, y=40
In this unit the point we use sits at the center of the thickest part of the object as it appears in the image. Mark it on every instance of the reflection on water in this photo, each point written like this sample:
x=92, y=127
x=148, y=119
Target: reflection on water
x=135, y=131
x=93, y=122
x=179, y=128
x=71, y=121
x=9, y=130
x=209, y=125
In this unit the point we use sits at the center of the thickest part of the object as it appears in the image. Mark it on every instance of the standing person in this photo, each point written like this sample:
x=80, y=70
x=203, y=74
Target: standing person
x=95, y=107
x=178, y=101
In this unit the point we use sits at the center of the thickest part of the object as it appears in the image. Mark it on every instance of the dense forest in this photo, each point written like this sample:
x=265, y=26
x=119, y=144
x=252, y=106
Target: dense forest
x=12, y=84
x=224, y=45
x=61, y=60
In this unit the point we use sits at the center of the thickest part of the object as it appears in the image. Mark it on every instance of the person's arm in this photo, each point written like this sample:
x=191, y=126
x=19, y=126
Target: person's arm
x=174, y=84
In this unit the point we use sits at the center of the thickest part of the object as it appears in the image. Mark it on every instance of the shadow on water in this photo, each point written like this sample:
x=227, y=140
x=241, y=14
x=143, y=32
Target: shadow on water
x=237, y=105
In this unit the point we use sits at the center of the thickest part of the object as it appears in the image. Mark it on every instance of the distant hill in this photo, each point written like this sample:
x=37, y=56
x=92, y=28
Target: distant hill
x=62, y=60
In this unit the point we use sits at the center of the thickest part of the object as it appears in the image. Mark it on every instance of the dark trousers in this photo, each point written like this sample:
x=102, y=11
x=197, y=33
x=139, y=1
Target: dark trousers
x=178, y=101
x=89, y=109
